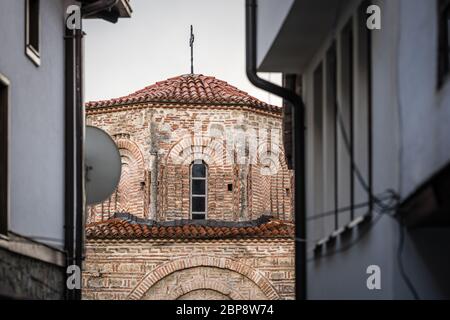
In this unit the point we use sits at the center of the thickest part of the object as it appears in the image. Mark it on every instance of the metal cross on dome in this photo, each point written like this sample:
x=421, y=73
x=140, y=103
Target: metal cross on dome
x=191, y=44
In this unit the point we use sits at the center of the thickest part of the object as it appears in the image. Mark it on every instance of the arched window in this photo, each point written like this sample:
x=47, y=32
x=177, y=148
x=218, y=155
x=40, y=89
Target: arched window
x=198, y=190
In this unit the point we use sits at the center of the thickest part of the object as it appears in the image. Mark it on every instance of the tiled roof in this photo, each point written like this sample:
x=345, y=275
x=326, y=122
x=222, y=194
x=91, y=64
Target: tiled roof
x=188, y=89
x=126, y=226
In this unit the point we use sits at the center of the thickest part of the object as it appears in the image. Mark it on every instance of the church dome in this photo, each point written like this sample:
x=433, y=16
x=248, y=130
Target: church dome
x=188, y=89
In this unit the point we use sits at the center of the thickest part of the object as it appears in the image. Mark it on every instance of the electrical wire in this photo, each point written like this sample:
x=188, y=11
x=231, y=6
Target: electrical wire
x=382, y=196
x=401, y=241
x=391, y=206
x=355, y=167
x=385, y=209
x=338, y=211
x=404, y=275
x=361, y=236
x=376, y=200
x=380, y=207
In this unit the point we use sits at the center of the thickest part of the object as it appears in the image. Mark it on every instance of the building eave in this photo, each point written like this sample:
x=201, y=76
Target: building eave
x=122, y=9
x=125, y=9
x=301, y=35
x=144, y=105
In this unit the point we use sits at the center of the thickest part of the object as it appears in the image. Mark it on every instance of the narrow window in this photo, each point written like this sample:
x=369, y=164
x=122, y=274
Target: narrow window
x=345, y=123
x=330, y=136
x=317, y=147
x=4, y=136
x=198, y=190
x=362, y=112
x=32, y=31
x=444, y=41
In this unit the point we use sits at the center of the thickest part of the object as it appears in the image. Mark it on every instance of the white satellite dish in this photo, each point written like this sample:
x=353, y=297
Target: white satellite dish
x=103, y=165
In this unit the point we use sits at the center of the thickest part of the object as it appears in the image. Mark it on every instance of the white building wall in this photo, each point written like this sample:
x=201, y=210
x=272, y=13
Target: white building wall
x=423, y=106
x=37, y=121
x=410, y=136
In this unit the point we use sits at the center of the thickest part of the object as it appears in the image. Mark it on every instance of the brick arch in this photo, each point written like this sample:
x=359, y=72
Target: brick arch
x=281, y=159
x=132, y=158
x=271, y=184
x=129, y=196
x=133, y=148
x=165, y=269
x=210, y=149
x=132, y=198
x=174, y=175
x=194, y=285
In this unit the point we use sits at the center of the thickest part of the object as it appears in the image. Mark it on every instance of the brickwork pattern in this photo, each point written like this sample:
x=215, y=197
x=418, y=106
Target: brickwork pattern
x=244, y=269
x=160, y=130
x=158, y=145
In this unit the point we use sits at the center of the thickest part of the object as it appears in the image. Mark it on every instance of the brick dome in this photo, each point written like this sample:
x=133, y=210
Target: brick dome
x=188, y=89
x=205, y=196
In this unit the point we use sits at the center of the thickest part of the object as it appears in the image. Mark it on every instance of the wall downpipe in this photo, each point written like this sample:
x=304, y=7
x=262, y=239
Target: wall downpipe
x=298, y=145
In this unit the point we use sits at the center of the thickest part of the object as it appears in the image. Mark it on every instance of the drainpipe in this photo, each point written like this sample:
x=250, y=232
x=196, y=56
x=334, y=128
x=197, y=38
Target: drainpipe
x=298, y=146
x=69, y=192
x=79, y=159
x=75, y=127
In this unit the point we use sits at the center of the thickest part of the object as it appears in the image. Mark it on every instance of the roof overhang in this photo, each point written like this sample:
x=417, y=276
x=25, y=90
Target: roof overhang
x=124, y=8
x=306, y=25
x=121, y=9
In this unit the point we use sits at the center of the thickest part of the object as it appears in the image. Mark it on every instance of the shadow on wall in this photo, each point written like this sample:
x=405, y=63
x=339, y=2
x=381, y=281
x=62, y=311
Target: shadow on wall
x=429, y=249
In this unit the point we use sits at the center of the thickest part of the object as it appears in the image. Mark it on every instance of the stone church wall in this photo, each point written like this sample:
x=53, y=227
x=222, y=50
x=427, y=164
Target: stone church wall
x=158, y=144
x=168, y=269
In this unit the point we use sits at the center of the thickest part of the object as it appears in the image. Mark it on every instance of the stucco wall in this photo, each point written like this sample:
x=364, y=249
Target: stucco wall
x=37, y=120
x=422, y=105
x=410, y=143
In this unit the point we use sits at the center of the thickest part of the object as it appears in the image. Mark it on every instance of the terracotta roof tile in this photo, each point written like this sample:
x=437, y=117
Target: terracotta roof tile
x=188, y=89
x=126, y=226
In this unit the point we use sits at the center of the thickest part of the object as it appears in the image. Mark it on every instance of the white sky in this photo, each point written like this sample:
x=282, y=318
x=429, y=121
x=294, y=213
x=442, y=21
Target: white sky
x=154, y=45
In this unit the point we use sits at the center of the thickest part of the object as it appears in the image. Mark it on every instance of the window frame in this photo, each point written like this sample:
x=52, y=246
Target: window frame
x=443, y=54
x=317, y=135
x=33, y=53
x=345, y=115
x=5, y=102
x=358, y=49
x=191, y=195
x=330, y=62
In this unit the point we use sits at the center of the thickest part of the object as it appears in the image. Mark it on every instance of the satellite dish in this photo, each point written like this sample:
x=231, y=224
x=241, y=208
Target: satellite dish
x=103, y=165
